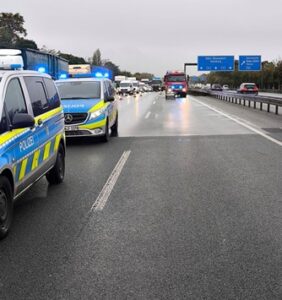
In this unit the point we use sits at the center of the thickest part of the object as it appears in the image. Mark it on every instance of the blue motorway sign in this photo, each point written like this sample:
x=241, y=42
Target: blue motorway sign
x=249, y=63
x=216, y=63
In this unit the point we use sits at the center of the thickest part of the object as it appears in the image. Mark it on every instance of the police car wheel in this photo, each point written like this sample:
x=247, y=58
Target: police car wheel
x=57, y=173
x=6, y=206
x=106, y=136
x=114, y=128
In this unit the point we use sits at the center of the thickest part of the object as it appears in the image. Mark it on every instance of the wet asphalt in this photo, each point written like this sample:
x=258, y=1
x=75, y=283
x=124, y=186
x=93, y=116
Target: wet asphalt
x=196, y=212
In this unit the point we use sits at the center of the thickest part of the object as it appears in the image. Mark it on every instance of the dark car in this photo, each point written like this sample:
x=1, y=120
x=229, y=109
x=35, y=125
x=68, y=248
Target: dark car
x=248, y=88
x=216, y=87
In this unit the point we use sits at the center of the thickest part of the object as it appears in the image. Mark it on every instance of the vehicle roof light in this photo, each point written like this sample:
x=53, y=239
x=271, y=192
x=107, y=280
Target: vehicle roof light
x=41, y=70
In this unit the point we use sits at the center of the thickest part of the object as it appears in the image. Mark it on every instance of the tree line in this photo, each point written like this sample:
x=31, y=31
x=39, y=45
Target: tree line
x=13, y=36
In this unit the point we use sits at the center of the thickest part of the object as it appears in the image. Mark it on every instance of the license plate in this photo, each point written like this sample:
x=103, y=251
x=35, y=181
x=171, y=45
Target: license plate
x=71, y=128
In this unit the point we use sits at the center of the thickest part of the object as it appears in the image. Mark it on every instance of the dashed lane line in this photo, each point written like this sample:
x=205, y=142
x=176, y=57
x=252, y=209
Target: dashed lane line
x=105, y=193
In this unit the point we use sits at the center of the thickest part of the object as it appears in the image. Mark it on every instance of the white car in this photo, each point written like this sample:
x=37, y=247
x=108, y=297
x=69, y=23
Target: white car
x=126, y=87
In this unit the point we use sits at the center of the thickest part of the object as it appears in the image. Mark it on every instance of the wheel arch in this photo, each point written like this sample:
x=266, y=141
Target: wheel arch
x=9, y=175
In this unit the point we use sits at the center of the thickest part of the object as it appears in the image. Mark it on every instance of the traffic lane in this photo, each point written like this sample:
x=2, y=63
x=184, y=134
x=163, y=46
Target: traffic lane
x=48, y=219
x=190, y=217
x=181, y=116
x=133, y=110
x=270, y=124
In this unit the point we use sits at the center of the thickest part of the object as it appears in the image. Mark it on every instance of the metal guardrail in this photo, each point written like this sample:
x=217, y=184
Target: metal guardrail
x=243, y=99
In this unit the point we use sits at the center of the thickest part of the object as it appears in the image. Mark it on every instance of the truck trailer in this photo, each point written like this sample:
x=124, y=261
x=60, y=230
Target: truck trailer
x=33, y=60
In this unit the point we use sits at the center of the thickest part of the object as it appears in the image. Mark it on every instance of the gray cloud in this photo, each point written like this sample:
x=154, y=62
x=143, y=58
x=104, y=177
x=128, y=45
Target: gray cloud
x=154, y=35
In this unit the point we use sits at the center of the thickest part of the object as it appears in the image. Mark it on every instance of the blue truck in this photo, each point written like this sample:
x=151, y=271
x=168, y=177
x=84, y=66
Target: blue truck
x=29, y=59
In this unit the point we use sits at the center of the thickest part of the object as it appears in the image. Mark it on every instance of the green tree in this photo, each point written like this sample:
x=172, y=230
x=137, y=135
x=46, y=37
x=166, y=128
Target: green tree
x=73, y=60
x=11, y=29
x=97, y=58
x=111, y=66
x=25, y=43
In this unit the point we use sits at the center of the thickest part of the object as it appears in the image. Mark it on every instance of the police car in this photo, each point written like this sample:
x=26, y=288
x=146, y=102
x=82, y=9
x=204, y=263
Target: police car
x=32, y=139
x=90, y=107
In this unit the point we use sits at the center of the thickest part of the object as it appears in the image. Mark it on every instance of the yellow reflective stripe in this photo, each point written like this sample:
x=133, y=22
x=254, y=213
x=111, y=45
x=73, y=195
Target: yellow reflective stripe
x=49, y=114
x=23, y=168
x=15, y=170
x=99, y=105
x=94, y=125
x=46, y=151
x=57, y=142
x=9, y=135
x=35, y=160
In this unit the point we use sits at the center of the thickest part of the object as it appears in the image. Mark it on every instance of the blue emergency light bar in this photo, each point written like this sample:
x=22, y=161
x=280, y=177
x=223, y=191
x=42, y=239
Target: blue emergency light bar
x=89, y=75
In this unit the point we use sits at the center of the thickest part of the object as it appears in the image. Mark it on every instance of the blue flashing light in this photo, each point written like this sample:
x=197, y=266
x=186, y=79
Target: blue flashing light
x=63, y=76
x=16, y=66
x=41, y=70
x=106, y=75
x=173, y=87
x=98, y=75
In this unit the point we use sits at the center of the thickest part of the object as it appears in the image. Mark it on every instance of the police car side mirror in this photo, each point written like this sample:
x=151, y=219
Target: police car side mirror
x=22, y=120
x=110, y=99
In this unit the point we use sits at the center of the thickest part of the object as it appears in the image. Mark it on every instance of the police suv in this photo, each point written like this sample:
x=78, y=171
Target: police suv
x=90, y=107
x=32, y=139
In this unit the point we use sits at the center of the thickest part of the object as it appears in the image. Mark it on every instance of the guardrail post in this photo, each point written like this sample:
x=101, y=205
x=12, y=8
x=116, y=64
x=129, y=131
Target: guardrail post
x=255, y=105
x=268, y=107
x=276, y=109
x=249, y=102
x=244, y=102
x=261, y=104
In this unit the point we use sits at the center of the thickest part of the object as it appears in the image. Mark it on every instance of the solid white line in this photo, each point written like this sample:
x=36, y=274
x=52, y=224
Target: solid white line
x=105, y=193
x=242, y=123
x=148, y=115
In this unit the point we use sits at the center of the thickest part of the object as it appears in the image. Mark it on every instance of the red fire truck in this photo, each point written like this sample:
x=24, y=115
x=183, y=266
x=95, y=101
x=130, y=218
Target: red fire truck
x=175, y=84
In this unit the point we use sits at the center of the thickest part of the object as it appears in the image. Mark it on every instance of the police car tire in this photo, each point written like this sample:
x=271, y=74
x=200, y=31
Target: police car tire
x=57, y=173
x=6, y=189
x=106, y=136
x=114, y=128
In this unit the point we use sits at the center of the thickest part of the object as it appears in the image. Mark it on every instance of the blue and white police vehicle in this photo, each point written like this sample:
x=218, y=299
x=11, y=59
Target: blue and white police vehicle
x=90, y=106
x=32, y=138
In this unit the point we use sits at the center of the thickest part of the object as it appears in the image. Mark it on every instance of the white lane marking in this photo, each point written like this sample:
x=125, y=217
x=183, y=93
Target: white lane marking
x=148, y=115
x=105, y=193
x=241, y=123
x=154, y=102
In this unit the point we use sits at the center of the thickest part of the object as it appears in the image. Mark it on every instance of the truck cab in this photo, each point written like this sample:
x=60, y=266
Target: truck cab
x=175, y=84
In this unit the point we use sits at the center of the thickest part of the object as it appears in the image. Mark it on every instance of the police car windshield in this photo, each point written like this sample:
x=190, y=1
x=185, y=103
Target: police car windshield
x=79, y=89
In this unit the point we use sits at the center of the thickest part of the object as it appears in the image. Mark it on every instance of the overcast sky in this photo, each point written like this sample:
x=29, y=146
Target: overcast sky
x=154, y=35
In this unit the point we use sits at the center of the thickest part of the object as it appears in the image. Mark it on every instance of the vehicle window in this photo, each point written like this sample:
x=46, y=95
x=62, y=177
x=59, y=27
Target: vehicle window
x=175, y=78
x=125, y=84
x=37, y=95
x=3, y=122
x=106, y=86
x=14, y=99
x=53, y=95
x=79, y=90
x=111, y=89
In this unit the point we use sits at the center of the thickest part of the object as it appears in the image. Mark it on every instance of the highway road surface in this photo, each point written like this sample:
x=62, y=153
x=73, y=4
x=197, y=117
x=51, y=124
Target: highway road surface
x=184, y=204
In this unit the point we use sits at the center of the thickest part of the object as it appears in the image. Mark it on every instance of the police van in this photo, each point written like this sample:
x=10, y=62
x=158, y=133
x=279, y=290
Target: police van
x=32, y=139
x=90, y=107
